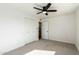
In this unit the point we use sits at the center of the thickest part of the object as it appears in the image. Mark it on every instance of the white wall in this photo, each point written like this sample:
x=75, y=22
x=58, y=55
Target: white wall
x=15, y=29
x=77, y=28
x=62, y=28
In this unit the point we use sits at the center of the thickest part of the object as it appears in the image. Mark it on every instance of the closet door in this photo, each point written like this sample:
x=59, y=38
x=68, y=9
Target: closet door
x=45, y=30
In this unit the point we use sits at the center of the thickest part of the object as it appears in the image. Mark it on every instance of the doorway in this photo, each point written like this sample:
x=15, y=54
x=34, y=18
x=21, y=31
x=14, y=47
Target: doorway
x=40, y=28
x=43, y=30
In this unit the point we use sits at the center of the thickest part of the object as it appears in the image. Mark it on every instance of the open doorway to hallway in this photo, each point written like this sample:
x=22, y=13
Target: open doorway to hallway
x=43, y=30
x=40, y=27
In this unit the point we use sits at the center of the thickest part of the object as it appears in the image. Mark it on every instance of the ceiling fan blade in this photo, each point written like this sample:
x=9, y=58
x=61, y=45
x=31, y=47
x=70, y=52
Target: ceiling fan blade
x=51, y=10
x=39, y=12
x=37, y=8
x=46, y=14
x=48, y=5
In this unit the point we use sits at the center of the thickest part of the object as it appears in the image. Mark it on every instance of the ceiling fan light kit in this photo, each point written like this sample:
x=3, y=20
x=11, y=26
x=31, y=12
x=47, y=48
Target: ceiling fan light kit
x=44, y=12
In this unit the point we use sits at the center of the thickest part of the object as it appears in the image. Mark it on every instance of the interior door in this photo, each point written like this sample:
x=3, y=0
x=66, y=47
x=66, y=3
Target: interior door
x=45, y=30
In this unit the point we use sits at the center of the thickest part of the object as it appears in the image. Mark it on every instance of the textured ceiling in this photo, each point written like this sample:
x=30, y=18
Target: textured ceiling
x=27, y=8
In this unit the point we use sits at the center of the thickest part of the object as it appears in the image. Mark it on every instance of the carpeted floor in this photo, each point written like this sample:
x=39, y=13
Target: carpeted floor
x=48, y=45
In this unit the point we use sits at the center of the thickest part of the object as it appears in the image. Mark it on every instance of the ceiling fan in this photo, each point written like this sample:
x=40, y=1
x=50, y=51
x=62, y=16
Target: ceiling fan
x=45, y=9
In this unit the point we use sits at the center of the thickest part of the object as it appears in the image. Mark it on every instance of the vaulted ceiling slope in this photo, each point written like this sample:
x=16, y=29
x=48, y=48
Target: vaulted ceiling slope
x=62, y=8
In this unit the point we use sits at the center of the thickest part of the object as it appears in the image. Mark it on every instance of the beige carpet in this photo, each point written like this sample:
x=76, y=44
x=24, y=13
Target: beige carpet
x=59, y=48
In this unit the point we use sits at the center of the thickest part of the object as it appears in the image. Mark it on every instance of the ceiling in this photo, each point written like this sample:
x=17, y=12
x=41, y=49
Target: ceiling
x=63, y=8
